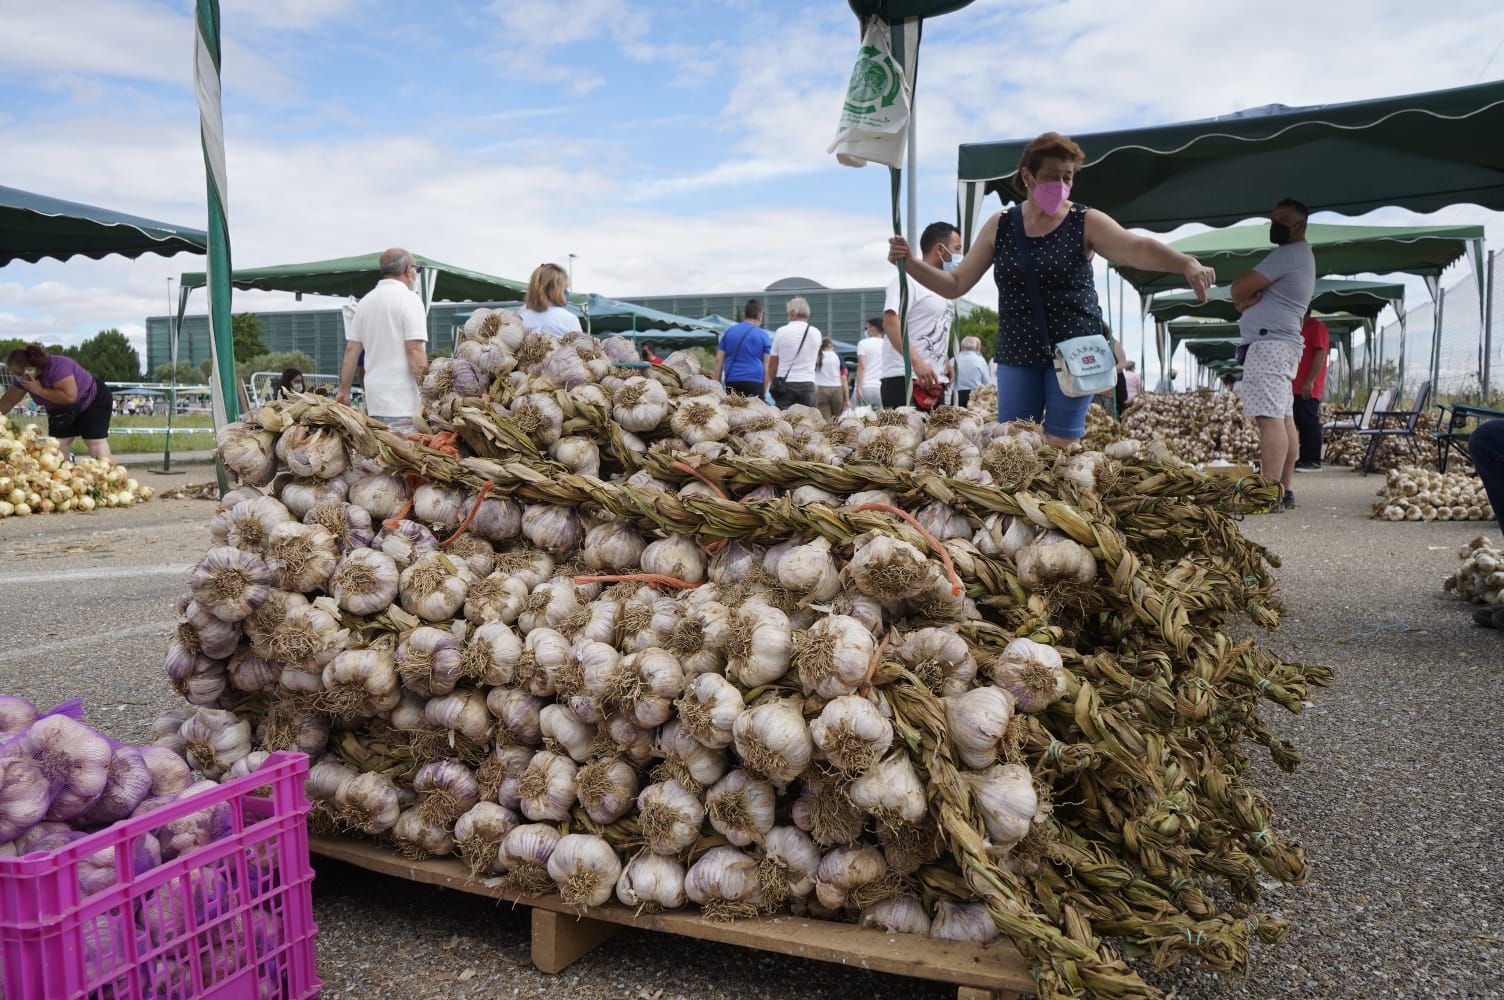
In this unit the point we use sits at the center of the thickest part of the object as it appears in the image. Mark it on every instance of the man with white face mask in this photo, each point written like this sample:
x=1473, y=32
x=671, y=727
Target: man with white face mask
x=1274, y=298
x=929, y=321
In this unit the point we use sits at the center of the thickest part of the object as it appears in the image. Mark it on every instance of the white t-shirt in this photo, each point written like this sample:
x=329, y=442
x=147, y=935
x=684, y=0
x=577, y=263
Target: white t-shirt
x=796, y=364
x=870, y=350
x=555, y=321
x=390, y=315
x=929, y=328
x=828, y=372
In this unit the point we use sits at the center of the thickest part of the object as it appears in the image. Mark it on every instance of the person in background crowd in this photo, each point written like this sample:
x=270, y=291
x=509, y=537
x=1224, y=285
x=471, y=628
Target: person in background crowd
x=390, y=331
x=739, y=357
x=869, y=363
x=1274, y=298
x=791, y=364
x=1130, y=380
x=1486, y=448
x=971, y=369
x=1062, y=239
x=543, y=307
x=649, y=354
x=1167, y=381
x=77, y=404
x=1310, y=382
x=929, y=323
x=831, y=390
x=1229, y=382
x=291, y=381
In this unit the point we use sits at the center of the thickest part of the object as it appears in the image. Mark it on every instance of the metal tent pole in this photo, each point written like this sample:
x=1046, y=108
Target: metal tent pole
x=1441, y=304
x=172, y=395
x=1488, y=329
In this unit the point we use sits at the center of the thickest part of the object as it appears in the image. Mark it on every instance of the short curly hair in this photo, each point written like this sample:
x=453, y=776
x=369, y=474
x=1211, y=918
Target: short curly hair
x=1049, y=146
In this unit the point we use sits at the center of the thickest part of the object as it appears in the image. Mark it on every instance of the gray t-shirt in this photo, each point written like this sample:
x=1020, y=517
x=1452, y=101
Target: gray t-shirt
x=1291, y=270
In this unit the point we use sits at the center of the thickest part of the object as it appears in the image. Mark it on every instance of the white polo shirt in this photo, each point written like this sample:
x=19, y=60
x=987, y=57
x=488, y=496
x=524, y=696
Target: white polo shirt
x=795, y=363
x=388, y=317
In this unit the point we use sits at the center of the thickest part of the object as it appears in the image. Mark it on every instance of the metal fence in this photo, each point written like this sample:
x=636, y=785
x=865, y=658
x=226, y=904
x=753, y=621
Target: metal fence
x=1460, y=371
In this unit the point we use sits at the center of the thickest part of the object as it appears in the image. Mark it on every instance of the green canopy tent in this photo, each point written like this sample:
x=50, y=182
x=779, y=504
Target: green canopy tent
x=1418, y=151
x=603, y=315
x=1196, y=332
x=1361, y=298
x=34, y=227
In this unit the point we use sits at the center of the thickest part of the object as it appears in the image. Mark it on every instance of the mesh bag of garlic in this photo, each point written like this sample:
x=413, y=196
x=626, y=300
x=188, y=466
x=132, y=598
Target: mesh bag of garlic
x=37, y=478
x=1199, y=426
x=1480, y=578
x=1415, y=494
x=603, y=630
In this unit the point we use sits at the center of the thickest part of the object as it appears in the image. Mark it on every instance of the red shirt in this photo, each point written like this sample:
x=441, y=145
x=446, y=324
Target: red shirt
x=1318, y=343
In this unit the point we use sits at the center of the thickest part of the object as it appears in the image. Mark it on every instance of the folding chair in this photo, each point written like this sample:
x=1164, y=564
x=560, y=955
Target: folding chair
x=1348, y=421
x=1380, y=427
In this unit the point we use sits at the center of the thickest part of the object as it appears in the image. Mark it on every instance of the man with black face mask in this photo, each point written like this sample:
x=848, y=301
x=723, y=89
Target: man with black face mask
x=1273, y=298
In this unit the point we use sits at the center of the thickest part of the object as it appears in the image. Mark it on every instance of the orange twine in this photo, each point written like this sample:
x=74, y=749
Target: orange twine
x=956, y=588
x=485, y=488
x=651, y=579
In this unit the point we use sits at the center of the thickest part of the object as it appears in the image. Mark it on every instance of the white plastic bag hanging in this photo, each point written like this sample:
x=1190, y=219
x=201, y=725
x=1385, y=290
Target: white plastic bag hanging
x=874, y=124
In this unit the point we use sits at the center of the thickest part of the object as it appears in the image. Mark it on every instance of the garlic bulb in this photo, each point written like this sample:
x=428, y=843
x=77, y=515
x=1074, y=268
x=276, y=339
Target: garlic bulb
x=474, y=552
x=249, y=524
x=613, y=547
x=497, y=519
x=452, y=377
x=405, y=541
x=787, y=866
x=890, y=791
x=169, y=772
x=699, y=418
x=429, y=662
x=852, y=734
x=524, y=855
x=562, y=730
x=495, y=599
x=851, y=876
x=1032, y=673
x=531, y=566
x=943, y=522
x=709, y=709
x=212, y=740
x=1005, y=798
x=547, y=788
x=548, y=605
x=462, y=711
x=446, y=790
x=677, y=556
x=317, y=452
x=648, y=619
x=230, y=584
x=833, y=656
x=669, y=816
x=963, y=922
x=499, y=774
x=25, y=794
x=772, y=741
x=381, y=495
x=810, y=569
x=639, y=405
x=888, y=568
x=1001, y=535
x=607, y=789
x=686, y=759
x=941, y=658
x=734, y=562
x=977, y=720
x=434, y=587
x=478, y=835
x=368, y=803
x=348, y=525
x=898, y=915
x=15, y=715
x=546, y=656
x=325, y=776
x=699, y=639
x=758, y=644
x=188, y=833
x=584, y=868
x=724, y=884
x=360, y=683
x=1053, y=560
x=301, y=557
x=248, y=451
x=740, y=807
x=301, y=495
x=553, y=529
x=651, y=882
x=419, y=838
x=577, y=454
x=128, y=781
x=645, y=685
x=518, y=717
x=440, y=507
x=365, y=582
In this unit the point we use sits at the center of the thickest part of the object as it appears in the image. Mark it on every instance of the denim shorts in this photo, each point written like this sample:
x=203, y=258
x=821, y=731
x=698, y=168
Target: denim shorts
x=1032, y=392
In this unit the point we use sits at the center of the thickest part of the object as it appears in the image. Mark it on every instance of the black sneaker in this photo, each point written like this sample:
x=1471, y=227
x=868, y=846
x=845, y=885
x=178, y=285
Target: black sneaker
x=1489, y=617
x=1307, y=466
x=1289, y=499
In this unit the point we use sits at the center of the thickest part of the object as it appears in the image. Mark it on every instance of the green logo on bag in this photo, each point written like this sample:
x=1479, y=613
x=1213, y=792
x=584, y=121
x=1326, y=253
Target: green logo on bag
x=874, y=83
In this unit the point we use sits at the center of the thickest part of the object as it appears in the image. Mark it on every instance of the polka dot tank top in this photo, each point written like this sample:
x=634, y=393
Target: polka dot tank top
x=1066, y=284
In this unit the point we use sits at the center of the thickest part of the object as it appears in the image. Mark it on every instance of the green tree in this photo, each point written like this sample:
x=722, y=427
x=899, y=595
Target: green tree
x=982, y=324
x=109, y=356
x=246, y=328
x=188, y=373
x=9, y=344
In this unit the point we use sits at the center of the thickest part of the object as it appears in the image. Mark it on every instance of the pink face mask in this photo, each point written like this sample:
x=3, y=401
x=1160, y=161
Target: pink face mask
x=1050, y=195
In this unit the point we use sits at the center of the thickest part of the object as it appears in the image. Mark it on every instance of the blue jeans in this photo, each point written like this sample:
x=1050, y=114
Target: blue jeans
x=1486, y=447
x=1032, y=392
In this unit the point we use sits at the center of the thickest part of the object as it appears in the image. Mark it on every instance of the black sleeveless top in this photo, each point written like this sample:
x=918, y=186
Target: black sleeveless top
x=1066, y=284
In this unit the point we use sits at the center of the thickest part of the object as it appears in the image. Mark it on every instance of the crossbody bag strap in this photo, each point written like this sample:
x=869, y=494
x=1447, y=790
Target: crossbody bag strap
x=800, y=349
x=1031, y=277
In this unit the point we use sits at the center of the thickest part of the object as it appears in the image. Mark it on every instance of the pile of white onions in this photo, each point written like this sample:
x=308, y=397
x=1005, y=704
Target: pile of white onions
x=1480, y=578
x=1199, y=426
x=37, y=478
x=1415, y=494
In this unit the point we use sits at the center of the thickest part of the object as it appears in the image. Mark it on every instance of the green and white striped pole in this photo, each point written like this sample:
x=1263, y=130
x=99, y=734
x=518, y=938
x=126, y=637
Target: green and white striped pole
x=206, y=66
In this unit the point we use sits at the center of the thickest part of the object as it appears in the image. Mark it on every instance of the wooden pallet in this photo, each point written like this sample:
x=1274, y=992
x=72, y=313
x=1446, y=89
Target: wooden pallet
x=561, y=934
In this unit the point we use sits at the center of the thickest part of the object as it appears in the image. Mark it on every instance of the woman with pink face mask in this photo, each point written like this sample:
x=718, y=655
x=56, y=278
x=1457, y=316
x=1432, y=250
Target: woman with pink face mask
x=1040, y=252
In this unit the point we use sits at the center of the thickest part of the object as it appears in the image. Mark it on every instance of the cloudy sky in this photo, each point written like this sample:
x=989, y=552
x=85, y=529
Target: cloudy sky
x=673, y=145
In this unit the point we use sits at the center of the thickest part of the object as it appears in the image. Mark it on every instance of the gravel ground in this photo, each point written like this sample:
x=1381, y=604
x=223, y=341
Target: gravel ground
x=1397, y=801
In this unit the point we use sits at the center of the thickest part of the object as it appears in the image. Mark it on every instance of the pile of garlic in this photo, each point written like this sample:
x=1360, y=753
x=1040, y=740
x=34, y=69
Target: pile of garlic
x=1342, y=447
x=1480, y=578
x=548, y=679
x=1415, y=494
x=37, y=478
x=1199, y=426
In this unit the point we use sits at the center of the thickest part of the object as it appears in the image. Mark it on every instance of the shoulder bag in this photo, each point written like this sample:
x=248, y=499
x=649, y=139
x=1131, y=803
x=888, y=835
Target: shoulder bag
x=1084, y=366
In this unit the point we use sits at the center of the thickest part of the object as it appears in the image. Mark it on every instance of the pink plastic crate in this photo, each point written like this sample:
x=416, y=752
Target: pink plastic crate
x=230, y=920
